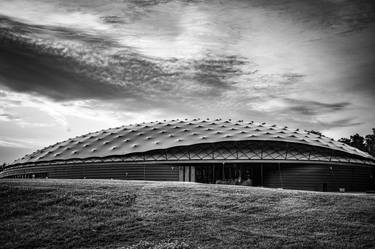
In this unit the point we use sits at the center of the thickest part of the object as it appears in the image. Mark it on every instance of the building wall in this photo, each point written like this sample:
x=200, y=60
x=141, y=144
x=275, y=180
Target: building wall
x=159, y=172
x=318, y=177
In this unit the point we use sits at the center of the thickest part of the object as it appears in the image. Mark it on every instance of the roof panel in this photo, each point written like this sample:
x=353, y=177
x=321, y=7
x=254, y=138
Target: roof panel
x=167, y=134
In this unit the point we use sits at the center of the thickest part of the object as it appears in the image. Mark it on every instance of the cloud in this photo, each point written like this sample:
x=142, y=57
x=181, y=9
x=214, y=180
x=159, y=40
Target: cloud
x=16, y=142
x=346, y=122
x=64, y=72
x=217, y=72
x=71, y=65
x=308, y=107
x=282, y=105
x=8, y=117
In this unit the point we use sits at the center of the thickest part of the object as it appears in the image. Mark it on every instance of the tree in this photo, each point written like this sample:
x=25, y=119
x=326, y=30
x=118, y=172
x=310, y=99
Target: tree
x=345, y=140
x=358, y=142
x=370, y=143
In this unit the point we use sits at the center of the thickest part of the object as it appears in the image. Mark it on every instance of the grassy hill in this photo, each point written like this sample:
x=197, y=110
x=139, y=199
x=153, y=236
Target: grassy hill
x=135, y=214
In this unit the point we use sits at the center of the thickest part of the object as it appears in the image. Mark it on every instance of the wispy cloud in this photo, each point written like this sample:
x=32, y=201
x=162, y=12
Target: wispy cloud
x=15, y=143
x=304, y=107
x=8, y=117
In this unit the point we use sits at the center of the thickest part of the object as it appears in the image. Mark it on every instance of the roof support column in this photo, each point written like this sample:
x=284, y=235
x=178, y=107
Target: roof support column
x=223, y=171
x=280, y=175
x=286, y=152
x=261, y=174
x=213, y=174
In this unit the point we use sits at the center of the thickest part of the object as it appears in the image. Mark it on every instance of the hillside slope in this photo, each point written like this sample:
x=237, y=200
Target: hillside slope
x=134, y=214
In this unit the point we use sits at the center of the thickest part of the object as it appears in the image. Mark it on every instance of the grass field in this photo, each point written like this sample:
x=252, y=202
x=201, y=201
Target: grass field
x=134, y=214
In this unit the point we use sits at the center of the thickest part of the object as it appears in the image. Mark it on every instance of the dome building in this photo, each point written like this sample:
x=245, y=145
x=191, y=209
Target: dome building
x=206, y=151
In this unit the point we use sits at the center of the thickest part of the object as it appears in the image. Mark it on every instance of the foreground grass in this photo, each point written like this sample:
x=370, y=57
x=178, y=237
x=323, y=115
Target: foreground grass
x=132, y=214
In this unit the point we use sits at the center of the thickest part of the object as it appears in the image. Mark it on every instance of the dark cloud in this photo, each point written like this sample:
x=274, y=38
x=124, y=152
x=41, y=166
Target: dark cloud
x=308, y=108
x=213, y=75
x=113, y=19
x=218, y=72
x=10, y=27
x=25, y=69
x=62, y=73
x=292, y=78
x=346, y=122
x=53, y=68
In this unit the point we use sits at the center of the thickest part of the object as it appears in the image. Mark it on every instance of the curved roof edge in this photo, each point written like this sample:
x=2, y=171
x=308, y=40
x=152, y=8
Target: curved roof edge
x=150, y=136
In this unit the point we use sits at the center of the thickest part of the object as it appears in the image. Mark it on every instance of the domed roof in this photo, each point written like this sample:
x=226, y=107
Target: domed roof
x=167, y=134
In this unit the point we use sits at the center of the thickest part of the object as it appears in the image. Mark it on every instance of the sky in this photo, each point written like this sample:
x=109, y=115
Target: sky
x=69, y=67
